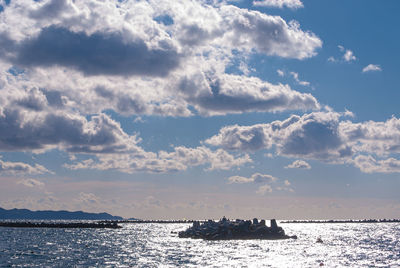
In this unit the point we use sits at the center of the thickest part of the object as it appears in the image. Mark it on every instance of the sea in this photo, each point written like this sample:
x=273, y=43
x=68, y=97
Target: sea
x=158, y=245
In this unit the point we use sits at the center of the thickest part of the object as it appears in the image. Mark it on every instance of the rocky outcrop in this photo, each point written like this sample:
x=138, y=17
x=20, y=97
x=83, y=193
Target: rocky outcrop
x=239, y=229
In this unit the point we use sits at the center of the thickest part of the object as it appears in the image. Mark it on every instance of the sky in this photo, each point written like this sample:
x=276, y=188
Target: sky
x=196, y=109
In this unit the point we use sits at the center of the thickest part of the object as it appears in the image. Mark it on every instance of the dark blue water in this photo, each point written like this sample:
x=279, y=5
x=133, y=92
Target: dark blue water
x=153, y=245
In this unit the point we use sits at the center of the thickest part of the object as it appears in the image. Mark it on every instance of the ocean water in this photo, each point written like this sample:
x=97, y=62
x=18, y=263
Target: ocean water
x=154, y=245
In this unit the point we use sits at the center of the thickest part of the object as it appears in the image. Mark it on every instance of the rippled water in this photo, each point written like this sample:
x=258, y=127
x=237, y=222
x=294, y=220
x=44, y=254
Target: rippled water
x=153, y=245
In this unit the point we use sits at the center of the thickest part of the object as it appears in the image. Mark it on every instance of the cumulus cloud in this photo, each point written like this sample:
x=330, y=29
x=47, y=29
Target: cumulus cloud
x=32, y=120
x=179, y=159
x=348, y=55
x=294, y=4
x=63, y=63
x=256, y=177
x=372, y=68
x=311, y=135
x=368, y=164
x=299, y=164
x=20, y=168
x=145, y=57
x=96, y=54
x=31, y=183
x=269, y=34
x=231, y=93
x=285, y=187
x=323, y=136
x=298, y=81
x=380, y=138
x=295, y=76
x=23, y=130
x=264, y=189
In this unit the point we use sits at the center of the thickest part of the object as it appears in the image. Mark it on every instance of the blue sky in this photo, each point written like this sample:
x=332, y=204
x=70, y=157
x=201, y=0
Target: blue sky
x=198, y=109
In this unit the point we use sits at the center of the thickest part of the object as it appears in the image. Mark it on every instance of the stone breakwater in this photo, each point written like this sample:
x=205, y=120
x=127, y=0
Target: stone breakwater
x=111, y=225
x=239, y=229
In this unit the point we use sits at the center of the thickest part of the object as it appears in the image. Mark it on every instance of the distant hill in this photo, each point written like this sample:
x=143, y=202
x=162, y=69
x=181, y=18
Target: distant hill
x=26, y=214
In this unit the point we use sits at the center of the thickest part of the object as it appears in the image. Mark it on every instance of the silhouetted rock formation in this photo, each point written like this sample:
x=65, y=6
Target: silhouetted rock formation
x=239, y=229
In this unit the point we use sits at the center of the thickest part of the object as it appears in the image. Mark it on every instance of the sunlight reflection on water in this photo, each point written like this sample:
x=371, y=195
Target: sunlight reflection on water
x=153, y=245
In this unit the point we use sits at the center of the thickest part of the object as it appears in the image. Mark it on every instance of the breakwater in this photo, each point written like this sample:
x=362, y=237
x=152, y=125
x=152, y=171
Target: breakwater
x=344, y=221
x=110, y=225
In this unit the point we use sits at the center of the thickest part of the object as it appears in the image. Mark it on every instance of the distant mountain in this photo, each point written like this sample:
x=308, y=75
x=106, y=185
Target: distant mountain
x=26, y=214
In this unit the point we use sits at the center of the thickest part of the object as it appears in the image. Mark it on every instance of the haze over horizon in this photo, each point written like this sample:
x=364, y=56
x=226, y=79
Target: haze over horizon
x=197, y=109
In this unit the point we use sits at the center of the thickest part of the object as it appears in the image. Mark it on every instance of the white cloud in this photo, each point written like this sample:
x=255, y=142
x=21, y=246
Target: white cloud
x=63, y=63
x=269, y=34
x=20, y=168
x=180, y=159
x=30, y=130
x=231, y=93
x=311, y=135
x=372, y=68
x=294, y=4
x=299, y=164
x=349, y=56
x=240, y=179
x=264, y=189
x=285, y=187
x=369, y=164
x=298, y=81
x=332, y=59
x=295, y=76
x=256, y=177
x=171, y=68
x=323, y=136
x=31, y=183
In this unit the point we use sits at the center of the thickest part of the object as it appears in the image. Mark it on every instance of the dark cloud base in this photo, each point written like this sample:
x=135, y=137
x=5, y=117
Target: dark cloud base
x=96, y=54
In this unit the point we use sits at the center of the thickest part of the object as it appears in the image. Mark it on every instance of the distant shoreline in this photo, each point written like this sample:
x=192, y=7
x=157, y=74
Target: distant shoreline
x=45, y=223
x=157, y=221
x=285, y=221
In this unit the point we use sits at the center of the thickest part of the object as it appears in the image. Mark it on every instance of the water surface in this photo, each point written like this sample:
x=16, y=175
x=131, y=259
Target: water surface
x=153, y=245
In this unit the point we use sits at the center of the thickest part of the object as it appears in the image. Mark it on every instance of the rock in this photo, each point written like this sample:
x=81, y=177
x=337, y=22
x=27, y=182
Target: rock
x=239, y=229
x=273, y=224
